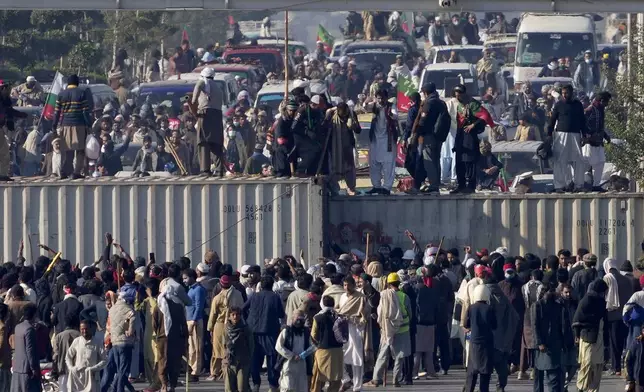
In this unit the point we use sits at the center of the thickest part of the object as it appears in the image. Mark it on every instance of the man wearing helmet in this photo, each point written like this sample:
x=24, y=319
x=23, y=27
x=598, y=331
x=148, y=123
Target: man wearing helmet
x=394, y=313
x=210, y=133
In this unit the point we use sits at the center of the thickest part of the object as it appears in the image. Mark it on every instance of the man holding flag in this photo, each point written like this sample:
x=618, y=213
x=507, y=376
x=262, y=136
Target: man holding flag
x=324, y=44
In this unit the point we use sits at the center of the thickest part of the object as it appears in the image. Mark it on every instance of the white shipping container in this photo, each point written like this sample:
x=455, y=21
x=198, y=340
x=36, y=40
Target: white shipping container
x=610, y=225
x=245, y=220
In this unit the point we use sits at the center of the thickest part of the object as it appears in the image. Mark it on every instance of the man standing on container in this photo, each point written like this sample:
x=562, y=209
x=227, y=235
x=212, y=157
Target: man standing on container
x=73, y=105
x=7, y=114
x=210, y=131
x=466, y=143
x=382, y=150
x=569, y=121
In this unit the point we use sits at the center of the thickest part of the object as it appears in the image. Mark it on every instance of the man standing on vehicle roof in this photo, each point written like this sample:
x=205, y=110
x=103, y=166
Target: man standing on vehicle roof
x=210, y=133
x=587, y=75
x=436, y=33
x=471, y=31
x=570, y=123
x=382, y=150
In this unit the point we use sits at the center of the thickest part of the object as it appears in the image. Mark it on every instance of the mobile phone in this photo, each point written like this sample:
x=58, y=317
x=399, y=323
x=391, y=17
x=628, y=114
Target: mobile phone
x=152, y=259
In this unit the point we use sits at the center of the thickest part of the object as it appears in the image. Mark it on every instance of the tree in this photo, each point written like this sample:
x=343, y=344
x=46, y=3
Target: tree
x=625, y=118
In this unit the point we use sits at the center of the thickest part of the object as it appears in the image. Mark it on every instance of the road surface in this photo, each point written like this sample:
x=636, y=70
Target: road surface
x=453, y=382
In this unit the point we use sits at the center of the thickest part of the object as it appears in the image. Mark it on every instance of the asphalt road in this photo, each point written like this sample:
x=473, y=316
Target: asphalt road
x=453, y=382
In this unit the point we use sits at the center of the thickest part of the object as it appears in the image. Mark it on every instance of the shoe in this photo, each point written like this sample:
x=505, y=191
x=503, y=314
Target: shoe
x=618, y=374
x=409, y=382
x=416, y=378
x=77, y=176
x=522, y=376
x=468, y=191
x=211, y=378
x=397, y=385
x=373, y=191
x=513, y=369
x=598, y=189
x=456, y=191
x=193, y=379
x=431, y=377
x=372, y=383
x=559, y=191
x=413, y=191
x=431, y=190
x=6, y=179
x=385, y=192
x=444, y=372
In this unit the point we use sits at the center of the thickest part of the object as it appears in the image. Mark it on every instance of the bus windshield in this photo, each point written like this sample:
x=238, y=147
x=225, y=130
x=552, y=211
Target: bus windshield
x=535, y=49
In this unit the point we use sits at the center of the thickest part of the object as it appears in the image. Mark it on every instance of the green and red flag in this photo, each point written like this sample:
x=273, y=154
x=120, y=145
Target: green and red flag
x=405, y=22
x=326, y=38
x=50, y=104
x=405, y=87
x=184, y=35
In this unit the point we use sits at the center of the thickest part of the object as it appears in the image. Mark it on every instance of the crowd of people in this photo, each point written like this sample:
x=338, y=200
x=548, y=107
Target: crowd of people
x=329, y=322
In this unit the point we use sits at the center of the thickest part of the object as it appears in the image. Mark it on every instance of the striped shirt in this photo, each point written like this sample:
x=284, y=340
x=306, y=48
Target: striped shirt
x=73, y=105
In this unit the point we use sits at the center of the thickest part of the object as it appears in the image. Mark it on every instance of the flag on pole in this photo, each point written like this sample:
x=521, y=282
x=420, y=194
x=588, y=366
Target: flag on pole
x=231, y=20
x=50, y=104
x=405, y=22
x=326, y=38
x=404, y=87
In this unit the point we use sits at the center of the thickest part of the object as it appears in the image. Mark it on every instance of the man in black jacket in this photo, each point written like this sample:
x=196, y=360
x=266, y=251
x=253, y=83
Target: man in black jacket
x=425, y=136
x=7, y=115
x=428, y=301
x=110, y=158
x=583, y=279
x=471, y=31
x=69, y=306
x=569, y=121
x=309, y=138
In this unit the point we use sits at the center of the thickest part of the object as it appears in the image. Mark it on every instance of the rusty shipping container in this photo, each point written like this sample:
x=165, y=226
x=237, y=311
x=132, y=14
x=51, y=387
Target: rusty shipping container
x=245, y=220
x=610, y=225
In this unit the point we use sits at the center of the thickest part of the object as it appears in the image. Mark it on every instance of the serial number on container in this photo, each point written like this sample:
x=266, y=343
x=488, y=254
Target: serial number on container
x=250, y=208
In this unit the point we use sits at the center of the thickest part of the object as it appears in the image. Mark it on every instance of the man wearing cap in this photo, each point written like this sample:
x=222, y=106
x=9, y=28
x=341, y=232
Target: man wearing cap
x=383, y=135
x=436, y=33
x=486, y=70
x=394, y=315
x=210, y=133
x=582, y=279
x=569, y=121
x=73, y=105
x=260, y=131
x=336, y=81
x=343, y=125
x=227, y=298
x=284, y=150
x=466, y=143
x=593, y=149
x=320, y=52
x=511, y=287
x=29, y=93
x=587, y=75
x=310, y=138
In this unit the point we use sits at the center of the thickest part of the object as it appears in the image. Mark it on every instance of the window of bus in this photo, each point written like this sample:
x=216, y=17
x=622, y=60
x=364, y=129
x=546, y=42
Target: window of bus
x=535, y=49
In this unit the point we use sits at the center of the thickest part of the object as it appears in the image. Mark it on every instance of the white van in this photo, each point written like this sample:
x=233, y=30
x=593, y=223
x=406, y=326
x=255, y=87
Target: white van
x=542, y=36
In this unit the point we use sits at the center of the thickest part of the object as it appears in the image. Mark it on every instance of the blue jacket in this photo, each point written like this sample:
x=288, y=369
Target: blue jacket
x=265, y=309
x=197, y=294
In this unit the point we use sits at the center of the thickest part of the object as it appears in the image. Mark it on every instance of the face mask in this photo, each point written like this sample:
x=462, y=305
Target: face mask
x=455, y=22
x=103, y=149
x=588, y=61
x=231, y=134
x=236, y=123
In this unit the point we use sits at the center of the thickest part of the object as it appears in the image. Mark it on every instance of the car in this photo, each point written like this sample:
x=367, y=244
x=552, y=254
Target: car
x=538, y=83
x=447, y=75
x=170, y=92
x=279, y=43
x=254, y=76
x=271, y=59
x=394, y=47
x=272, y=93
x=470, y=54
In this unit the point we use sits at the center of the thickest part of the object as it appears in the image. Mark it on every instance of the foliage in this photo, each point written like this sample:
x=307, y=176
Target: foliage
x=625, y=119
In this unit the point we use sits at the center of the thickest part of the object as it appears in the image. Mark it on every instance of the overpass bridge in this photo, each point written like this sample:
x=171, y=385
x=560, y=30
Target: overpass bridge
x=575, y=6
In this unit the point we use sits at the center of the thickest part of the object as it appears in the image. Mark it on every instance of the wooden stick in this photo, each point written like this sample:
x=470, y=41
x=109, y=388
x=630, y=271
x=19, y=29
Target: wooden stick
x=590, y=241
x=366, y=252
x=441, y=244
x=53, y=262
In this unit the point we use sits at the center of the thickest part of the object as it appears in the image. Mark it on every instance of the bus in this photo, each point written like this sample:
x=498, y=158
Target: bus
x=543, y=36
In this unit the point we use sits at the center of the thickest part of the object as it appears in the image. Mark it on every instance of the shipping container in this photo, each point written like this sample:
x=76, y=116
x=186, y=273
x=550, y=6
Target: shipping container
x=245, y=220
x=612, y=225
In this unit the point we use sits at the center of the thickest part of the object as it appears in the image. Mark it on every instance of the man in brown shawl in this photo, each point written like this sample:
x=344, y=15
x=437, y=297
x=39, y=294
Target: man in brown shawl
x=343, y=125
x=353, y=306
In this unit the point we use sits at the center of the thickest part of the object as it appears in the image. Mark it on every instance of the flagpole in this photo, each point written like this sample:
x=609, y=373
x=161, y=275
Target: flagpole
x=286, y=64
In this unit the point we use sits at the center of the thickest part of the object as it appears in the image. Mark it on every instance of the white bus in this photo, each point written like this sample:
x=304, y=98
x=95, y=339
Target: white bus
x=543, y=36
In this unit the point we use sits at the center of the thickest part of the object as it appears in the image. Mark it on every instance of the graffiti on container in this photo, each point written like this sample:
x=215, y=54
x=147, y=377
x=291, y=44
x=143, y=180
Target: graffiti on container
x=606, y=226
x=348, y=233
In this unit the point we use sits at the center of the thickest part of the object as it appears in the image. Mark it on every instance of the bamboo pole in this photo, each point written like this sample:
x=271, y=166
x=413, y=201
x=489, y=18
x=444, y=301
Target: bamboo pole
x=366, y=251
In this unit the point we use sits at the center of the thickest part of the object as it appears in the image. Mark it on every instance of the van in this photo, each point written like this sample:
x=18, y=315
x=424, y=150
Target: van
x=543, y=36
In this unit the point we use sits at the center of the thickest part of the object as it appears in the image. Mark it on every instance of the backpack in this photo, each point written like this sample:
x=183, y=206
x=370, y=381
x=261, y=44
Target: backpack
x=341, y=329
x=443, y=124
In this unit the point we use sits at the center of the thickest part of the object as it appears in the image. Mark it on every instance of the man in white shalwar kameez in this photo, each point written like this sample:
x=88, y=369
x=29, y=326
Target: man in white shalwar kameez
x=85, y=359
x=448, y=157
x=593, y=149
x=382, y=150
x=353, y=305
x=569, y=122
x=292, y=342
